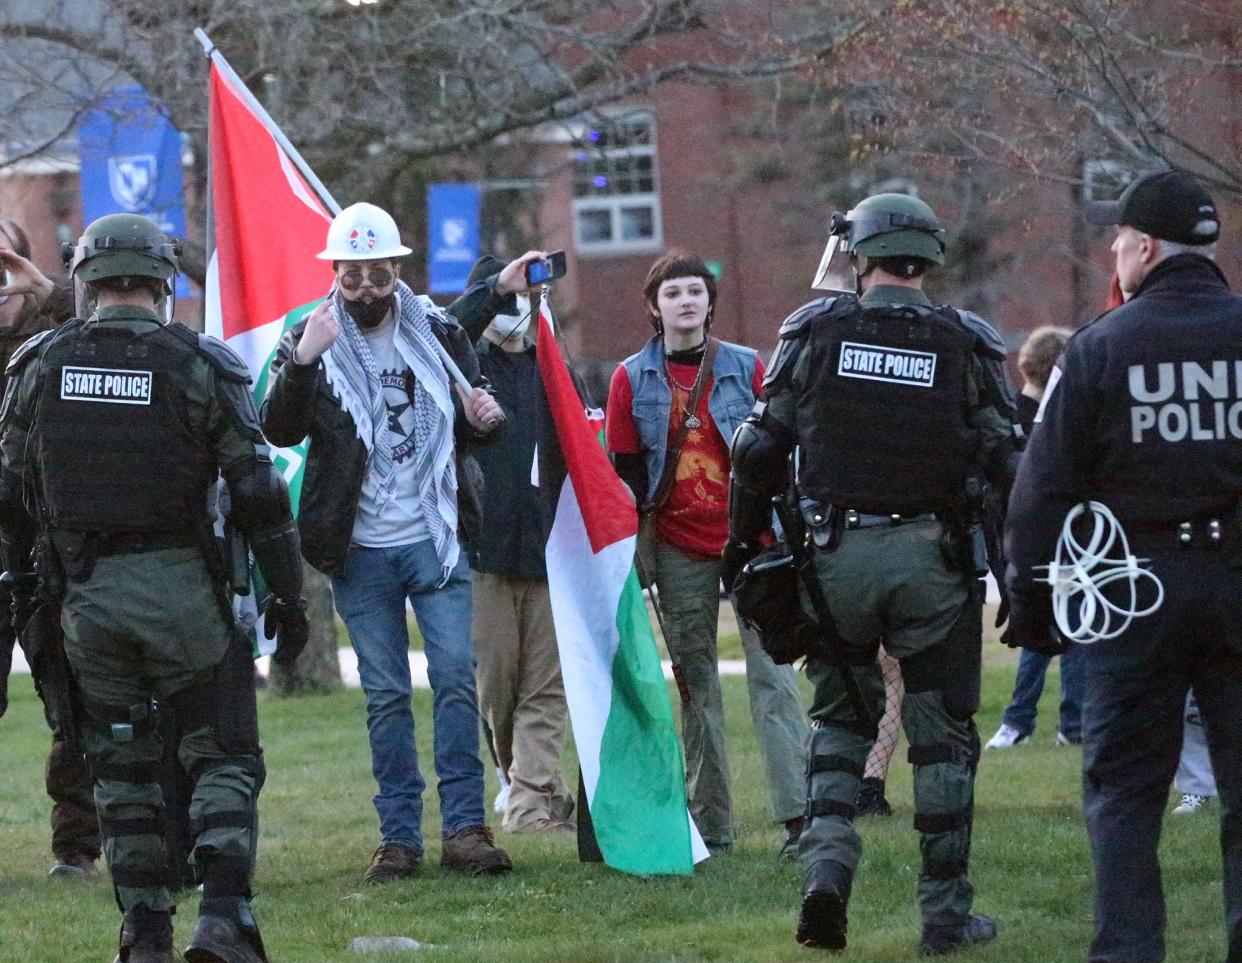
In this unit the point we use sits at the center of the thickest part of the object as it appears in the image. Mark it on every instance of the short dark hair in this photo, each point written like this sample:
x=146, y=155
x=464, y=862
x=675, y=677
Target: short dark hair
x=126, y=283
x=902, y=265
x=15, y=236
x=1040, y=352
x=678, y=264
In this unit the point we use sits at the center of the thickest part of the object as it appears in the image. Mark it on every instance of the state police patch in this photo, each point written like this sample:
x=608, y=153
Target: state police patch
x=109, y=385
x=895, y=365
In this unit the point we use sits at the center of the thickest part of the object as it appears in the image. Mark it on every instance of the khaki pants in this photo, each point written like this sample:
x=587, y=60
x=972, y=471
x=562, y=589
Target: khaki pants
x=690, y=606
x=521, y=695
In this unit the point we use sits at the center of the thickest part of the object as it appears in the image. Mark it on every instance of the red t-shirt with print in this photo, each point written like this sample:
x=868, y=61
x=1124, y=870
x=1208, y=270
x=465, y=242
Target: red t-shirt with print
x=695, y=517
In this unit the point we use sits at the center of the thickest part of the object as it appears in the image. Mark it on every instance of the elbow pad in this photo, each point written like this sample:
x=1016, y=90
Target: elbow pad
x=261, y=509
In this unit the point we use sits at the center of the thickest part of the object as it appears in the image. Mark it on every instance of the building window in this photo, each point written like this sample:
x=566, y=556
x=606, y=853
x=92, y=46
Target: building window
x=616, y=188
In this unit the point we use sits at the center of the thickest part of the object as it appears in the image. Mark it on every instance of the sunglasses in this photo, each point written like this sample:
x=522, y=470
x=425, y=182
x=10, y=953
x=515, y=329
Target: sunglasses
x=353, y=280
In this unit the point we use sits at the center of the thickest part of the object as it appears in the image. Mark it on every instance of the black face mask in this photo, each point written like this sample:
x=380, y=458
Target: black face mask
x=368, y=314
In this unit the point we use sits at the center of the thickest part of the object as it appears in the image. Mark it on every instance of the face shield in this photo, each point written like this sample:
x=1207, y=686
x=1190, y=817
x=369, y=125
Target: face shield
x=836, y=266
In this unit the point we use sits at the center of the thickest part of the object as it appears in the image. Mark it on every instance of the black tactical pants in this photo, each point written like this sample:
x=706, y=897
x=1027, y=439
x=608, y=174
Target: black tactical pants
x=1133, y=714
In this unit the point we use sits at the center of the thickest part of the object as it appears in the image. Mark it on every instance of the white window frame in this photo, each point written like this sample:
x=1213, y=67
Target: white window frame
x=614, y=203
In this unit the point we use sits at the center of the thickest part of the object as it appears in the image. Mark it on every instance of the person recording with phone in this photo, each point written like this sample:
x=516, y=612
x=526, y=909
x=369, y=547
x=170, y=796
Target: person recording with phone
x=521, y=694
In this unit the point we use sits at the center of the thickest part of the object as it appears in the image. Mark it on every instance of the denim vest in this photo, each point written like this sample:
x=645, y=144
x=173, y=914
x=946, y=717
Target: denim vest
x=730, y=401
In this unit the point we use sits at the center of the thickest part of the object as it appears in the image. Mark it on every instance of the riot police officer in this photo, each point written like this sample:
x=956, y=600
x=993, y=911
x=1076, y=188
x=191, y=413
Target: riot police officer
x=115, y=431
x=883, y=401
x=1142, y=415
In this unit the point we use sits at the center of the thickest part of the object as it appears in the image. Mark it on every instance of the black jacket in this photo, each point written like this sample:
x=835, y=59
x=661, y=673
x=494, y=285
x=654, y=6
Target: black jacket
x=300, y=403
x=1143, y=413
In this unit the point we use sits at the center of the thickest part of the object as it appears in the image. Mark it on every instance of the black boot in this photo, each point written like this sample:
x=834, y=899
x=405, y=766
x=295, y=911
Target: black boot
x=822, y=920
x=939, y=940
x=871, y=801
x=226, y=932
x=146, y=936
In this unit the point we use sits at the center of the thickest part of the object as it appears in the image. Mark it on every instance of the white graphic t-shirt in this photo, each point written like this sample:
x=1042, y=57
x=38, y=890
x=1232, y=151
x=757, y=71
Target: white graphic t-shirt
x=394, y=516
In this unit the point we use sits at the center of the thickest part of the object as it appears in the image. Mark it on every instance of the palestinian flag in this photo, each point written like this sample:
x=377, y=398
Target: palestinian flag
x=632, y=766
x=265, y=226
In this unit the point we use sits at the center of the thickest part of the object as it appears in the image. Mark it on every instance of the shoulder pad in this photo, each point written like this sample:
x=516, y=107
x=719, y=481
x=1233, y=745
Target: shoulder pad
x=991, y=343
x=794, y=325
x=225, y=360
x=27, y=350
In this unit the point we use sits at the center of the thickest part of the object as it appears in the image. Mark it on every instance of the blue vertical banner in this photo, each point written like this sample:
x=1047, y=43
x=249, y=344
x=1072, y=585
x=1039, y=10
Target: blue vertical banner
x=452, y=235
x=131, y=163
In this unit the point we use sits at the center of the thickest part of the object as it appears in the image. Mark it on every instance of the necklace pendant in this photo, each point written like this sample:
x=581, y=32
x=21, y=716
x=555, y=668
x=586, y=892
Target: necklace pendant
x=692, y=423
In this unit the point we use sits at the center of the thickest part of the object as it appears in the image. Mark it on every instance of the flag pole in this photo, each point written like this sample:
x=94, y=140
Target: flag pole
x=213, y=54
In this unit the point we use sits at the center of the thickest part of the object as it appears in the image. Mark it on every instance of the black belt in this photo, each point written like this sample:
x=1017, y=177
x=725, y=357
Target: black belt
x=855, y=519
x=133, y=543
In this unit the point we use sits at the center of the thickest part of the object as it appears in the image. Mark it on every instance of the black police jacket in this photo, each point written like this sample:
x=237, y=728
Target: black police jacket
x=300, y=403
x=1143, y=413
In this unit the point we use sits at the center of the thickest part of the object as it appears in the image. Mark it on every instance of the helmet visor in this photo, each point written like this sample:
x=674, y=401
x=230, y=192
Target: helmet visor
x=836, y=268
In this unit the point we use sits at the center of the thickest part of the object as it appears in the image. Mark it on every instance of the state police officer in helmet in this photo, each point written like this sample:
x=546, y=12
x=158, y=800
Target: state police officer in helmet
x=1143, y=414
x=115, y=431
x=878, y=408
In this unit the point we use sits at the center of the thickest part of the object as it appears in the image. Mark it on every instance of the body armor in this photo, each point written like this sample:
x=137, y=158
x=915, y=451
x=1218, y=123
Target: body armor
x=115, y=449
x=882, y=418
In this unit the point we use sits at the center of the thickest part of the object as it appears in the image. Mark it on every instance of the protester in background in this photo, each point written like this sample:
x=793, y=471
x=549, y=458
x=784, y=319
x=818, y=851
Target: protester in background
x=1195, y=779
x=1036, y=359
x=672, y=411
x=871, y=798
x=363, y=378
x=521, y=695
x=31, y=302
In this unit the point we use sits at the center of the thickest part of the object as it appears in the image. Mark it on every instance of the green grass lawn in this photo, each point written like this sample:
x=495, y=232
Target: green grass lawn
x=1030, y=868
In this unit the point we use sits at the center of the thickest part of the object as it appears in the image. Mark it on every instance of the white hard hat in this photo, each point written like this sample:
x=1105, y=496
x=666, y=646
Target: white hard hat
x=363, y=232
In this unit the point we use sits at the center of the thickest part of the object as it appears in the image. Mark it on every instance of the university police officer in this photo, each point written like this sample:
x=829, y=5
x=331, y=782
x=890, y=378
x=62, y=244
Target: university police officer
x=884, y=402
x=115, y=430
x=1144, y=414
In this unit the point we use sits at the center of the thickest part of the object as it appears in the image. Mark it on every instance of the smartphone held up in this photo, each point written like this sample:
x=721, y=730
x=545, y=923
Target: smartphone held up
x=543, y=270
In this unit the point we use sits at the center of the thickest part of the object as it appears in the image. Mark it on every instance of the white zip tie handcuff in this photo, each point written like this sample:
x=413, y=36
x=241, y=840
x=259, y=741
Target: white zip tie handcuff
x=1080, y=573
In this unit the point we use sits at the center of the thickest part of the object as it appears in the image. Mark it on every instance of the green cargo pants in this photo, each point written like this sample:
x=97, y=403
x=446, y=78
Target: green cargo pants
x=690, y=606
x=892, y=583
x=146, y=626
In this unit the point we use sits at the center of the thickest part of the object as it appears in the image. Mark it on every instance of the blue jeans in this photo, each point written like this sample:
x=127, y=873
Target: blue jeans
x=370, y=596
x=1028, y=686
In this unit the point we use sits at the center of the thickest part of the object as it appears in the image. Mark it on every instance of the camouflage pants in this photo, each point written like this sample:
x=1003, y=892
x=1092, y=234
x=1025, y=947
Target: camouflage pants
x=892, y=583
x=145, y=627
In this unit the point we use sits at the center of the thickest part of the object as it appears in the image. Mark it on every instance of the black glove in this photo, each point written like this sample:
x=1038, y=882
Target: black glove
x=1032, y=626
x=286, y=622
x=733, y=559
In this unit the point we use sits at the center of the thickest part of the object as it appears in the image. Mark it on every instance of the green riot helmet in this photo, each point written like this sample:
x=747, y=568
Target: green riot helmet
x=121, y=246
x=883, y=225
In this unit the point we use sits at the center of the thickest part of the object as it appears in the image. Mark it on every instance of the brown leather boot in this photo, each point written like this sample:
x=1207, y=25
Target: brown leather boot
x=392, y=861
x=475, y=851
x=225, y=932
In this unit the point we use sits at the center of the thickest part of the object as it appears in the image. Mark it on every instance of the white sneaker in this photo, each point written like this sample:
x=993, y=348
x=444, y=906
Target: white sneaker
x=1190, y=803
x=1007, y=737
x=501, y=802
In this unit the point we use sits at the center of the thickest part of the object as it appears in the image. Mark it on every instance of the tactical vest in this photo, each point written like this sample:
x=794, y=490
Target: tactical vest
x=882, y=419
x=115, y=450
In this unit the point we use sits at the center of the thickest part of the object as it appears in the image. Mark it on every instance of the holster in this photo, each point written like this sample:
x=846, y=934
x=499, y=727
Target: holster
x=768, y=599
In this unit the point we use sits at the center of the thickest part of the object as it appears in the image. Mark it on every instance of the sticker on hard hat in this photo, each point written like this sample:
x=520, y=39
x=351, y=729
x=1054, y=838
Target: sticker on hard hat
x=895, y=365
x=362, y=239
x=107, y=385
